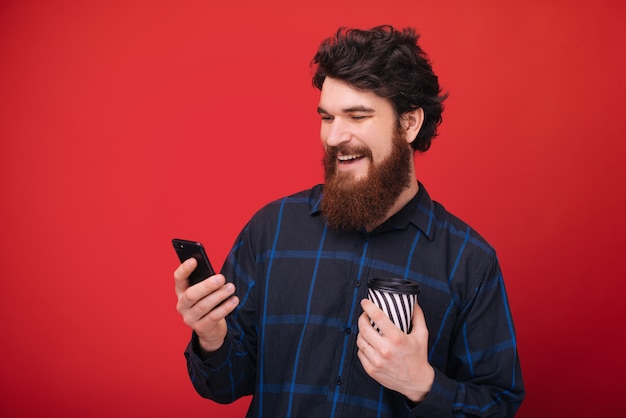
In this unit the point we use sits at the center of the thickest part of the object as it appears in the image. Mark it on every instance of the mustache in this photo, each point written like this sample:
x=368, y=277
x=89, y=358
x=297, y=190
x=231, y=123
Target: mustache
x=344, y=149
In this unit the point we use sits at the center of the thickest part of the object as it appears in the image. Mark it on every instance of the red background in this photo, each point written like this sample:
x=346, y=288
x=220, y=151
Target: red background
x=126, y=123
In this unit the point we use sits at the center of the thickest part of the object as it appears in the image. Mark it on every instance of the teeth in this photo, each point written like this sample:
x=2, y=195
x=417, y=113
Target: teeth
x=348, y=157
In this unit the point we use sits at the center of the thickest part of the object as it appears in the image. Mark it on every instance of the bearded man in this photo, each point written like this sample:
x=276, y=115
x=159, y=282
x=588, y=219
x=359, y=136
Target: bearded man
x=288, y=320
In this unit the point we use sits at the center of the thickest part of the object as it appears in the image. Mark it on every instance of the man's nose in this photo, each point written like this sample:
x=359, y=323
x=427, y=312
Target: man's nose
x=336, y=133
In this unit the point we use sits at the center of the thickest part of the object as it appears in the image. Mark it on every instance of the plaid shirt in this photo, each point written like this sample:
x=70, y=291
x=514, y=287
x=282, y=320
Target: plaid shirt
x=291, y=341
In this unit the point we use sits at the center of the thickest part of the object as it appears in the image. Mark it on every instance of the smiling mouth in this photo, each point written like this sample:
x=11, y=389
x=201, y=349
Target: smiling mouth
x=346, y=159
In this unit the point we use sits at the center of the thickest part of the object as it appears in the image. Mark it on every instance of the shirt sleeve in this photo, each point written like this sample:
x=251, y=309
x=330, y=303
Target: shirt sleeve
x=482, y=377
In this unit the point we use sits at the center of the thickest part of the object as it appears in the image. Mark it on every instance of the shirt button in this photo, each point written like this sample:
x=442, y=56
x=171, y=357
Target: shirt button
x=357, y=283
x=348, y=330
x=338, y=380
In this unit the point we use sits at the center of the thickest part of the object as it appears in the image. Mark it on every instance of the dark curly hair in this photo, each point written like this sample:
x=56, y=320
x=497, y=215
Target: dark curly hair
x=391, y=64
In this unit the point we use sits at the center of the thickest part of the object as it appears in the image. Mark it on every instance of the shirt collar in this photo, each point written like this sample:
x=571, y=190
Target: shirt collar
x=419, y=211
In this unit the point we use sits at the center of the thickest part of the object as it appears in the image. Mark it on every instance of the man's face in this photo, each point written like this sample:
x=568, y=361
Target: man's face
x=368, y=161
x=359, y=123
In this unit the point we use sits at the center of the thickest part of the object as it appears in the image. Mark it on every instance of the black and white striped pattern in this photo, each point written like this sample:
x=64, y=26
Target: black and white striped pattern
x=398, y=307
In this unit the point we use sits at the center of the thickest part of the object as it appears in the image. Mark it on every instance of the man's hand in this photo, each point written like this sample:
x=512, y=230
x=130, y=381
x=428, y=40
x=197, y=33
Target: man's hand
x=198, y=305
x=396, y=360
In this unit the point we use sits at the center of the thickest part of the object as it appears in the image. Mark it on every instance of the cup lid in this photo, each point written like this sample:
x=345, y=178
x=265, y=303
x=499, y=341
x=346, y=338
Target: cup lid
x=394, y=285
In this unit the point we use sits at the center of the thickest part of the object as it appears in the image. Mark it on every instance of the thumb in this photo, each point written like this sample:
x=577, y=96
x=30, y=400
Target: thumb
x=181, y=274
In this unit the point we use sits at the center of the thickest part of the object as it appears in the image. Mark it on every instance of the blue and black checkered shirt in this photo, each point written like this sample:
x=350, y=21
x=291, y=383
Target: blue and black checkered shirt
x=291, y=341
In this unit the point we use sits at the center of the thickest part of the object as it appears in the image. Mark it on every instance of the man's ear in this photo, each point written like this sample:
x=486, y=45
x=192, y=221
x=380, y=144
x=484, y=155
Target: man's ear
x=411, y=123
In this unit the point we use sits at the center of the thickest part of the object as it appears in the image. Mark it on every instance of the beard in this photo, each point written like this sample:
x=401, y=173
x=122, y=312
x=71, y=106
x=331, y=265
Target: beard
x=351, y=204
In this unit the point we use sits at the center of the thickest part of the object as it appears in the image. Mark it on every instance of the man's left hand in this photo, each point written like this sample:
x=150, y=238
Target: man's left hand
x=396, y=360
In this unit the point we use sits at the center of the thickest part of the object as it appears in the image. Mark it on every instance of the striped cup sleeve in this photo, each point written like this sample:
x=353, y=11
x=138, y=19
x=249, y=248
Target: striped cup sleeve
x=398, y=307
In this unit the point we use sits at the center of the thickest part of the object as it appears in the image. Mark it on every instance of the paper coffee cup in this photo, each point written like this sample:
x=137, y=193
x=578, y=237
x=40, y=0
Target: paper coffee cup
x=396, y=297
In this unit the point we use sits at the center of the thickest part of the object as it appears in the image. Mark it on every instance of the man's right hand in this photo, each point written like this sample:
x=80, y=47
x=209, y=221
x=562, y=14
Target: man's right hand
x=201, y=305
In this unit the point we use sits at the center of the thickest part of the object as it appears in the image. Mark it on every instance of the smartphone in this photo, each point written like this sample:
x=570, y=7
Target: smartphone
x=185, y=250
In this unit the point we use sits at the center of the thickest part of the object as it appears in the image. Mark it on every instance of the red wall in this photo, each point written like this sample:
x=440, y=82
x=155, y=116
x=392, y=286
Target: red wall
x=126, y=123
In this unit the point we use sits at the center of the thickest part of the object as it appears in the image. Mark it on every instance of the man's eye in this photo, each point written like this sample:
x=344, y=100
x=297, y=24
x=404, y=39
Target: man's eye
x=358, y=117
x=327, y=118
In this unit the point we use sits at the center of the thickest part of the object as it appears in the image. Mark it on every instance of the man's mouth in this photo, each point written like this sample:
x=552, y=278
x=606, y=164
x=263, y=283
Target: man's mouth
x=346, y=159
